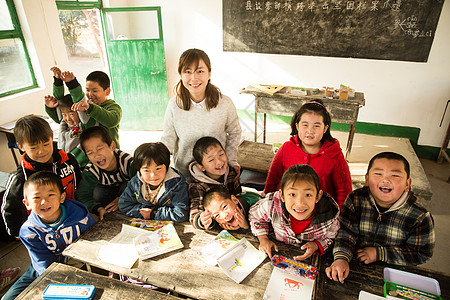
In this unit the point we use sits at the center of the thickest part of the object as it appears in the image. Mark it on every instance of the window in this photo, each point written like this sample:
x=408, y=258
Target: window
x=16, y=73
x=78, y=4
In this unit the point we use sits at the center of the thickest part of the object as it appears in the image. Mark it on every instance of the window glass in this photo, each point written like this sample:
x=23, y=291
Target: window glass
x=5, y=17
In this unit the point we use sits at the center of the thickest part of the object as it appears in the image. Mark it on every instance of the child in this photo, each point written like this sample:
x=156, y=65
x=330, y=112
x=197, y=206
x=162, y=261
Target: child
x=298, y=212
x=229, y=211
x=105, y=111
x=35, y=137
x=383, y=220
x=157, y=191
x=209, y=169
x=311, y=143
x=54, y=223
x=107, y=174
x=72, y=123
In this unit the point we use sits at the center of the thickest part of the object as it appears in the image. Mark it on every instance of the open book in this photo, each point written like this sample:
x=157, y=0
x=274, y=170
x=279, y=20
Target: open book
x=218, y=245
x=157, y=242
x=287, y=286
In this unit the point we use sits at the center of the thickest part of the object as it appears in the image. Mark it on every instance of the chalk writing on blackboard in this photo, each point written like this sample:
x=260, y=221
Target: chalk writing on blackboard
x=385, y=29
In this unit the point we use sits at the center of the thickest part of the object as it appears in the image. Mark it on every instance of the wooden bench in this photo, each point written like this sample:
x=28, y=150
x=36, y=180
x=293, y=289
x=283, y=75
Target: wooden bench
x=258, y=157
x=106, y=288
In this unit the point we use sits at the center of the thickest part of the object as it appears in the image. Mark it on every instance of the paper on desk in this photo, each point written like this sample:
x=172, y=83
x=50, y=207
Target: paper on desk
x=240, y=260
x=120, y=250
x=286, y=286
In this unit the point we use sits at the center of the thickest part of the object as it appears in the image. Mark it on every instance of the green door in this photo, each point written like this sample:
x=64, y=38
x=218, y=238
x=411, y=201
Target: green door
x=135, y=52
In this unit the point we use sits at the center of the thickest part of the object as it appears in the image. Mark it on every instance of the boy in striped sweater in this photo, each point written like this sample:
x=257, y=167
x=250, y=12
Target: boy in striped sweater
x=107, y=174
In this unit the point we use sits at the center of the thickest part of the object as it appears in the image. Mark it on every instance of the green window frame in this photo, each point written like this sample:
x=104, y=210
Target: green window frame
x=78, y=4
x=16, y=33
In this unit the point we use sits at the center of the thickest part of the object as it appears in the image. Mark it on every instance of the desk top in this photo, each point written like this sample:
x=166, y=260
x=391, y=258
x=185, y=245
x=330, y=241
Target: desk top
x=368, y=278
x=106, y=288
x=181, y=270
x=358, y=100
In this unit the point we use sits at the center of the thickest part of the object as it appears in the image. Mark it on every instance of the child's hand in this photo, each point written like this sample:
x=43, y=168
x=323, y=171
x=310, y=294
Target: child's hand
x=310, y=247
x=113, y=205
x=56, y=71
x=367, y=255
x=266, y=245
x=101, y=212
x=145, y=212
x=338, y=270
x=80, y=106
x=206, y=219
x=50, y=101
x=67, y=76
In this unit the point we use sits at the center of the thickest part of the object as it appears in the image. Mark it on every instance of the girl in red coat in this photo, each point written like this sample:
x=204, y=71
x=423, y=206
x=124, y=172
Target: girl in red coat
x=311, y=143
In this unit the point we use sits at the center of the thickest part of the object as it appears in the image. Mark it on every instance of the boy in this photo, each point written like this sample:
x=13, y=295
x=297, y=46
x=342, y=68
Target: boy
x=209, y=169
x=105, y=111
x=230, y=212
x=107, y=174
x=54, y=223
x=383, y=221
x=35, y=137
x=58, y=107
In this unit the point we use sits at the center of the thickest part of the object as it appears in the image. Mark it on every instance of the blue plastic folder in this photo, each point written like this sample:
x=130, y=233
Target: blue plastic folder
x=68, y=291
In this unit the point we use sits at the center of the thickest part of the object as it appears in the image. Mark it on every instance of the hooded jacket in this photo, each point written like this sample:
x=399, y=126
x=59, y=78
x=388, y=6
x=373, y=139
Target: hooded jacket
x=46, y=244
x=329, y=163
x=14, y=211
x=172, y=199
x=201, y=183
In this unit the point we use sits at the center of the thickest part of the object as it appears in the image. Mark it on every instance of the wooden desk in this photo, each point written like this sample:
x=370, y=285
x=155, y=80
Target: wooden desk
x=368, y=278
x=106, y=288
x=286, y=104
x=181, y=271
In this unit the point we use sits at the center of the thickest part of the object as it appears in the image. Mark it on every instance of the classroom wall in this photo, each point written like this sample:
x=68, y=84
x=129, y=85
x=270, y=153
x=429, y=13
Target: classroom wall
x=397, y=93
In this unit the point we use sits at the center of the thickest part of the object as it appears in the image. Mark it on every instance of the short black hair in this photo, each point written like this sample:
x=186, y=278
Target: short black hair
x=101, y=78
x=210, y=194
x=95, y=131
x=32, y=129
x=43, y=178
x=393, y=156
x=302, y=173
x=202, y=145
x=147, y=152
x=66, y=101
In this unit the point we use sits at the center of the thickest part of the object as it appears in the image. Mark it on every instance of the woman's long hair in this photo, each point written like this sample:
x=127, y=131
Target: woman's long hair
x=212, y=93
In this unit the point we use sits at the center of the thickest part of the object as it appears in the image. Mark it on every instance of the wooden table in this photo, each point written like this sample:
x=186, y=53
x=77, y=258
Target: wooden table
x=181, y=271
x=106, y=288
x=368, y=278
x=286, y=104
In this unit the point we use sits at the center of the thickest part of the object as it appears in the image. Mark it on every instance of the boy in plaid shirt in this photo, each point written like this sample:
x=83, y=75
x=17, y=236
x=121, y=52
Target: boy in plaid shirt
x=383, y=221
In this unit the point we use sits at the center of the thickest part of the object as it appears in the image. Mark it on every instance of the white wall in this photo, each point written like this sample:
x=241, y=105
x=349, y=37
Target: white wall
x=397, y=93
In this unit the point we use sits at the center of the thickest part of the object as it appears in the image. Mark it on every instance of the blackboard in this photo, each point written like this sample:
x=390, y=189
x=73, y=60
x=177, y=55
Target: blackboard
x=385, y=29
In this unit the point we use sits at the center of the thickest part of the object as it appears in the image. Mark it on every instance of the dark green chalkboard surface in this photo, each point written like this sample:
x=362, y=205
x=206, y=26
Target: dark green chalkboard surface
x=385, y=29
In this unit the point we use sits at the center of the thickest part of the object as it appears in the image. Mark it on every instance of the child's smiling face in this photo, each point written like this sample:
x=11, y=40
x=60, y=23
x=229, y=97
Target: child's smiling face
x=300, y=198
x=214, y=162
x=44, y=200
x=153, y=174
x=70, y=117
x=100, y=154
x=95, y=93
x=224, y=210
x=387, y=181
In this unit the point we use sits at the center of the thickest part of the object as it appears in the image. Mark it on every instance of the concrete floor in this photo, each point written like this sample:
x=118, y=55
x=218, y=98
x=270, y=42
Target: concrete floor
x=14, y=254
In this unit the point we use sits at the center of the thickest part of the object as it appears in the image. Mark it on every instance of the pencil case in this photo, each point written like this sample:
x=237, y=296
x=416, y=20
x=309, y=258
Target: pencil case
x=68, y=291
x=405, y=285
x=294, y=267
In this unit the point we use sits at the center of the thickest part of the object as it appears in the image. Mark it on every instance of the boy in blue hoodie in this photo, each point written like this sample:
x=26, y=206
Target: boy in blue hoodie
x=157, y=191
x=54, y=223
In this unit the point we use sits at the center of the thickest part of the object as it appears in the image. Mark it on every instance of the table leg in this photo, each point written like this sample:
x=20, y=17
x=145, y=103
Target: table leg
x=350, y=141
x=256, y=125
x=264, y=132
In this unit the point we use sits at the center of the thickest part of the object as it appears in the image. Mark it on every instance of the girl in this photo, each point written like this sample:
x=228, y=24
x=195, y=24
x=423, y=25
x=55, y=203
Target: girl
x=199, y=110
x=311, y=143
x=298, y=212
x=157, y=191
